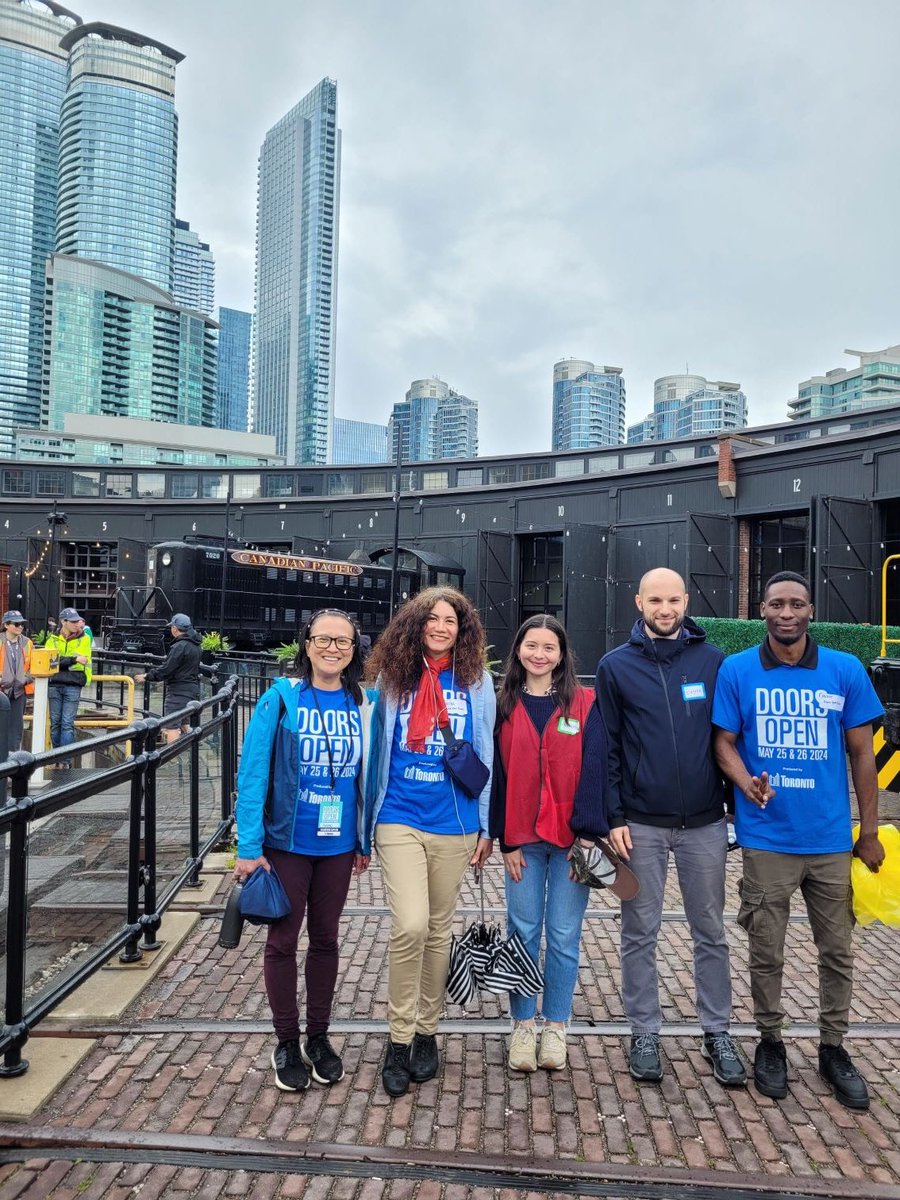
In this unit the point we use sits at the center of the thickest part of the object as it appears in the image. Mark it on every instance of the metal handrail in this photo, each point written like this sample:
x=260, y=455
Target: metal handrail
x=141, y=919
x=885, y=640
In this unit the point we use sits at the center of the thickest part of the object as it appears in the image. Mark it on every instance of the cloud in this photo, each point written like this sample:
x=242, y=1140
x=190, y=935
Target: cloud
x=635, y=182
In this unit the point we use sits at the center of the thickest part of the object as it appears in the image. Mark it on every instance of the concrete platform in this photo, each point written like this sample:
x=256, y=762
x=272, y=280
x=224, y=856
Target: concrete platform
x=106, y=995
x=50, y=1062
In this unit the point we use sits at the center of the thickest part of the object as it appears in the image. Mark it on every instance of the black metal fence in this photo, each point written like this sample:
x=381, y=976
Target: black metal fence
x=132, y=762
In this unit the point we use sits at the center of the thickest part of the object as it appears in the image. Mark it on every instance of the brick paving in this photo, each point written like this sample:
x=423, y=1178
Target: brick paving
x=181, y=1084
x=219, y=1083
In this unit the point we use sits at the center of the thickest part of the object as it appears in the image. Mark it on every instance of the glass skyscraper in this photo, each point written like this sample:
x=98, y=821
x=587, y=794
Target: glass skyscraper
x=668, y=393
x=118, y=346
x=32, y=86
x=588, y=405
x=194, y=283
x=296, y=277
x=456, y=428
x=118, y=144
x=359, y=442
x=690, y=406
x=434, y=421
x=873, y=382
x=235, y=333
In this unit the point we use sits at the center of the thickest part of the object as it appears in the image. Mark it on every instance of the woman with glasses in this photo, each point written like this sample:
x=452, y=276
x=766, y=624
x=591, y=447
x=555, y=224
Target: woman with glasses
x=298, y=810
x=430, y=667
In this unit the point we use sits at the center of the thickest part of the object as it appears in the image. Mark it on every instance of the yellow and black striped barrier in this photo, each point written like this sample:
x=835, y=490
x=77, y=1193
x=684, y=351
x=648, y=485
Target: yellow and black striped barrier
x=887, y=761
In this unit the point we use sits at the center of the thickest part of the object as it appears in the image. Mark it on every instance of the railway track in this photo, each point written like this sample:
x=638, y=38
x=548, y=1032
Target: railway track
x=19, y=1144
x=50, y=1028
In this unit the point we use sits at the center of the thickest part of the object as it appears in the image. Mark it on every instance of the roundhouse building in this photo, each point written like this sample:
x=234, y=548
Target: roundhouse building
x=569, y=533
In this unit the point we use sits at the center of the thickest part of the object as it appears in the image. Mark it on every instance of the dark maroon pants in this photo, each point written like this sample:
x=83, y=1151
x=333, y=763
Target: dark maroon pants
x=317, y=887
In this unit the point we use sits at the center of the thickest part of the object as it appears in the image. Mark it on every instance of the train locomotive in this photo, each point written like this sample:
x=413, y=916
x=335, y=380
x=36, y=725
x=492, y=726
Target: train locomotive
x=268, y=594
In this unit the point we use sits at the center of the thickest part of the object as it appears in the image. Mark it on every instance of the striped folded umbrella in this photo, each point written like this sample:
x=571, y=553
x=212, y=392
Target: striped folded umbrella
x=483, y=958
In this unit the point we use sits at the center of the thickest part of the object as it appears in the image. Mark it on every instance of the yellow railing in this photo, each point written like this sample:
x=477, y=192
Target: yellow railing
x=885, y=640
x=111, y=722
x=101, y=722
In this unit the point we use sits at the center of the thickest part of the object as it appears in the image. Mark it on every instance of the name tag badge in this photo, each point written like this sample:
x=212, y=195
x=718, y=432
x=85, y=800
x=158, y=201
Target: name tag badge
x=568, y=725
x=330, y=811
x=693, y=691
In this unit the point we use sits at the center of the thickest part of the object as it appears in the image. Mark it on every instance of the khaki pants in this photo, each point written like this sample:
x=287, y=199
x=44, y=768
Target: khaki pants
x=423, y=873
x=769, y=882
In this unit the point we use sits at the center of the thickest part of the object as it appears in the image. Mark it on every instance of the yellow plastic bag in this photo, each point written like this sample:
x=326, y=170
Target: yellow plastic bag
x=876, y=895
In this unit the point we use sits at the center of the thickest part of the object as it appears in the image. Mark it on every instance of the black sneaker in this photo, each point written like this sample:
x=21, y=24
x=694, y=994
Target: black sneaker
x=319, y=1055
x=290, y=1073
x=644, y=1062
x=395, y=1072
x=720, y=1049
x=770, y=1069
x=423, y=1058
x=836, y=1068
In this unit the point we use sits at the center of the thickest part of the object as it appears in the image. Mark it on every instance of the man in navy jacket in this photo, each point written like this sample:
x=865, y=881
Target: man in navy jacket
x=666, y=795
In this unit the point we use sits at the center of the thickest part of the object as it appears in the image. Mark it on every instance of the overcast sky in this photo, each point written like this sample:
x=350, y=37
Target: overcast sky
x=645, y=183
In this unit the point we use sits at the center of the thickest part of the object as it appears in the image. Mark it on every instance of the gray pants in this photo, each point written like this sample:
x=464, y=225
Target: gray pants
x=700, y=861
x=16, y=721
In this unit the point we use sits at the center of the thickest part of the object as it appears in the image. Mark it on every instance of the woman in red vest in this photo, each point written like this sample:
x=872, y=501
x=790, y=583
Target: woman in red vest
x=549, y=786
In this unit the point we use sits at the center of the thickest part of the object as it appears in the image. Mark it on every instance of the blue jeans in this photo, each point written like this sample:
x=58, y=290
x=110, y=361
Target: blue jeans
x=547, y=900
x=63, y=702
x=700, y=863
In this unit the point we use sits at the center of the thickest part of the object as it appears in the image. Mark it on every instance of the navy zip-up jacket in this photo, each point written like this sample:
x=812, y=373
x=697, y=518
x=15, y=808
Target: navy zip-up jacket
x=181, y=667
x=655, y=695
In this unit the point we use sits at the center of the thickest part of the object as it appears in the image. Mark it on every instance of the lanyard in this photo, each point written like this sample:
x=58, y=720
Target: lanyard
x=331, y=773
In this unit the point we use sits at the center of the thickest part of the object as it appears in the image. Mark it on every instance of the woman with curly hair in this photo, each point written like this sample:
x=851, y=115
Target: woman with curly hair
x=426, y=830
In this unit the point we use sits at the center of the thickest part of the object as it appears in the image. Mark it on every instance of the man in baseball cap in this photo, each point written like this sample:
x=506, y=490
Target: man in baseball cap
x=15, y=673
x=73, y=649
x=180, y=671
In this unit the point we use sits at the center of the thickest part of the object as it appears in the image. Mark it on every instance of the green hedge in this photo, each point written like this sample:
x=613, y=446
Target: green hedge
x=862, y=640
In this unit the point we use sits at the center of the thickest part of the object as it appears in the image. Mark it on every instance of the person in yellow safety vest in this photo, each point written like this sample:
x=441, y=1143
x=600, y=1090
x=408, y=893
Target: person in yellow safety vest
x=74, y=650
x=15, y=673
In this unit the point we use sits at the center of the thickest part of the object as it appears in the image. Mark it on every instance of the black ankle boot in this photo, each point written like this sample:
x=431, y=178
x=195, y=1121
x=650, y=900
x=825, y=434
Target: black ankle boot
x=423, y=1058
x=770, y=1069
x=395, y=1072
x=848, y=1085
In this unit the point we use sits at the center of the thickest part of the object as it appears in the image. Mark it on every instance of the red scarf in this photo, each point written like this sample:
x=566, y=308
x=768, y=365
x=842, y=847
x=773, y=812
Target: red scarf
x=429, y=708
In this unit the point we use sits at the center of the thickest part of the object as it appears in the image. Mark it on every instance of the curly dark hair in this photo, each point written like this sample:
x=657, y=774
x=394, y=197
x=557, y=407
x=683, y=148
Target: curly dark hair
x=565, y=681
x=352, y=673
x=397, y=656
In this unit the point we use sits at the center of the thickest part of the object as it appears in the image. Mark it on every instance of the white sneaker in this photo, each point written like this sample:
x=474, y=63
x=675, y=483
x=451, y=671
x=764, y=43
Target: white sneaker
x=523, y=1048
x=553, y=1055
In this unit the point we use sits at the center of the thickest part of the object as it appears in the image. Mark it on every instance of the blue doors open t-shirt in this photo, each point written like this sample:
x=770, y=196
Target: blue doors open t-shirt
x=325, y=820
x=419, y=792
x=790, y=721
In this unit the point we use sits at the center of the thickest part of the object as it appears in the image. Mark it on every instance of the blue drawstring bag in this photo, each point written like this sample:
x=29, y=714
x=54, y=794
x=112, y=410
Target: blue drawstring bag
x=463, y=765
x=263, y=899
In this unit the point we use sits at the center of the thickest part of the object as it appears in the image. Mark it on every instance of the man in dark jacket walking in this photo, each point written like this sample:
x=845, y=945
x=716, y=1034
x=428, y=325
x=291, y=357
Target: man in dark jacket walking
x=181, y=671
x=666, y=794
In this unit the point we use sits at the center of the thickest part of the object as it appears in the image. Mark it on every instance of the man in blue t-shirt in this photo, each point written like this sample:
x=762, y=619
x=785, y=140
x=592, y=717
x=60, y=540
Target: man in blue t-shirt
x=788, y=713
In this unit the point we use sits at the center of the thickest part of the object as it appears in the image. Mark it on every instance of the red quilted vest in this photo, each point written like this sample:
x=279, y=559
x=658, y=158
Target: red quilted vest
x=542, y=774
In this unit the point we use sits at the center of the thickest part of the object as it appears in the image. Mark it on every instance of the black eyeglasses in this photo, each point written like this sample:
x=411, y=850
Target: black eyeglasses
x=322, y=641
x=18, y=624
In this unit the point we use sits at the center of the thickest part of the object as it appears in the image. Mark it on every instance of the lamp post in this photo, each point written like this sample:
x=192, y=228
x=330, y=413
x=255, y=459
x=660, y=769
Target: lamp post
x=396, y=541
x=55, y=518
x=225, y=561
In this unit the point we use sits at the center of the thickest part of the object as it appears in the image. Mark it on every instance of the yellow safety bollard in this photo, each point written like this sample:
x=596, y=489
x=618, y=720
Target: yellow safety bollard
x=44, y=664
